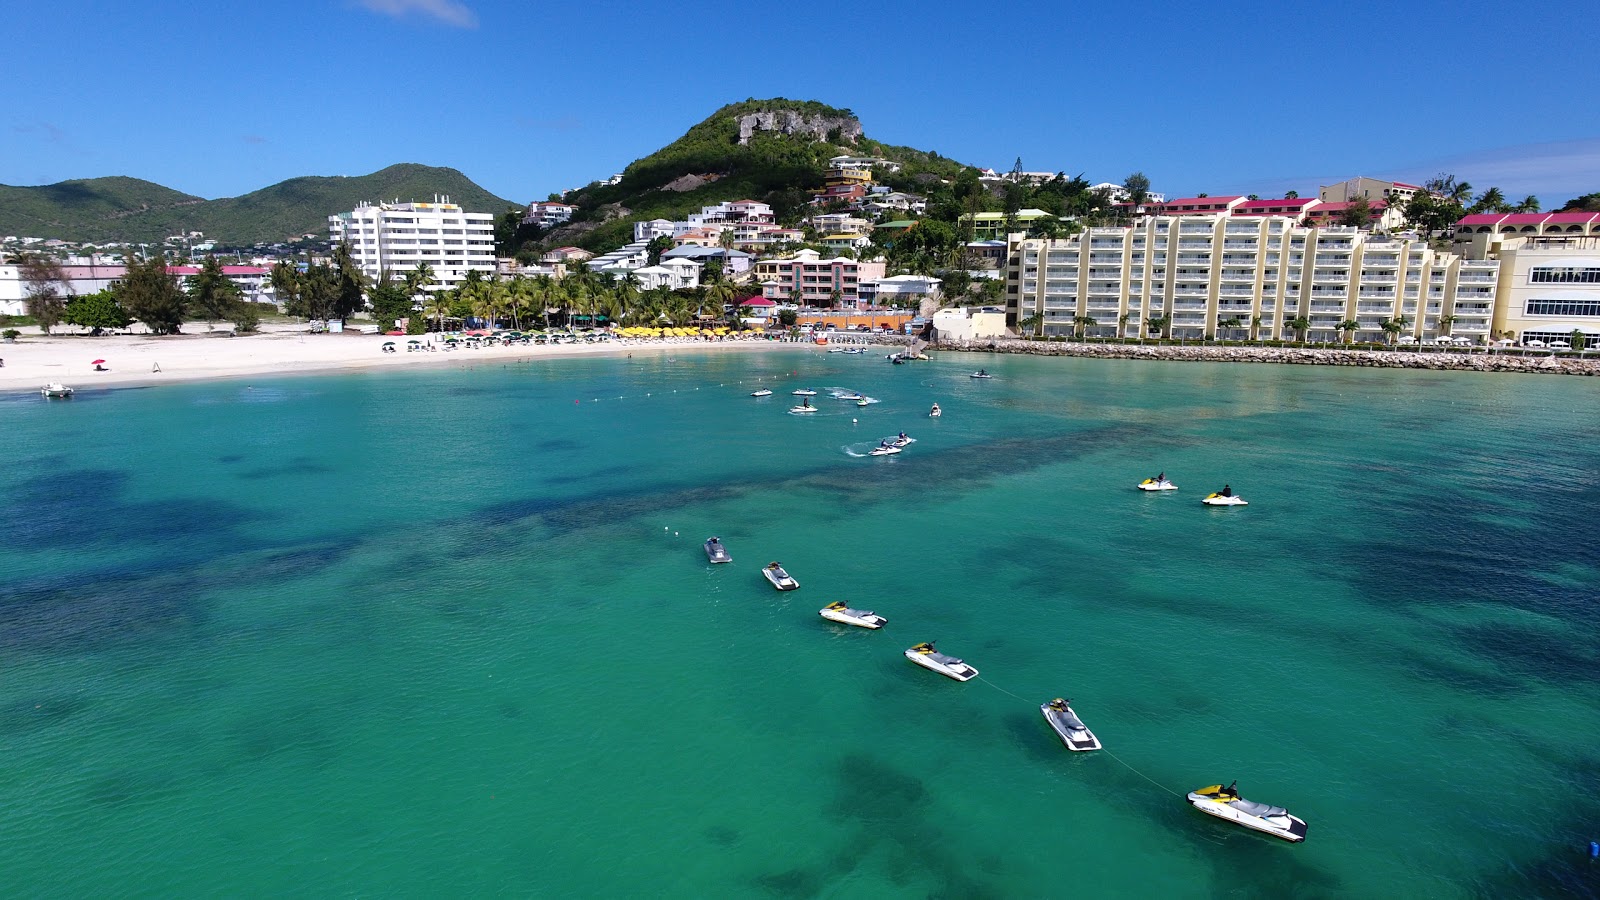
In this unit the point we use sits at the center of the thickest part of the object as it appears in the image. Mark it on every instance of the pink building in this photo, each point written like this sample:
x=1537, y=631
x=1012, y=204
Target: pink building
x=814, y=280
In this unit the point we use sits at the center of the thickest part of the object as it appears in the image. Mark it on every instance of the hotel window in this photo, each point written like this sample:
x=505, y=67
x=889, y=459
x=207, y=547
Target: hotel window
x=1564, y=275
x=1563, y=308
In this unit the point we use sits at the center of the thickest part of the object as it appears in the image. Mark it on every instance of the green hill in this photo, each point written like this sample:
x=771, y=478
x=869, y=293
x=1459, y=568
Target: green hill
x=127, y=209
x=778, y=157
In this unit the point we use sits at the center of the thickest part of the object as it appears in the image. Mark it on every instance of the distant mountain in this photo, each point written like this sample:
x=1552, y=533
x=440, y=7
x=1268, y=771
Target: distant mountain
x=127, y=209
x=775, y=151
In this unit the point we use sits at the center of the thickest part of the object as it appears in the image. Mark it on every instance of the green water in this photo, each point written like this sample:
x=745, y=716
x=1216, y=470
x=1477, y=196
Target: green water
x=452, y=632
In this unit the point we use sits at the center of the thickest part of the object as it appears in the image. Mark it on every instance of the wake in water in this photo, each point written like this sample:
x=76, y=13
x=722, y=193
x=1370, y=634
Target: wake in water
x=865, y=448
x=840, y=393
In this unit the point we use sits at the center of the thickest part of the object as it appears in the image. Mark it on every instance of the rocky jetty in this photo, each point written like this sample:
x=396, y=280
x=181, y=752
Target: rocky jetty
x=1456, y=361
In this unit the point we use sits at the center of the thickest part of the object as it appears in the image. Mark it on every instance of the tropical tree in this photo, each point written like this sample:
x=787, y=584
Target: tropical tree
x=1122, y=324
x=1137, y=186
x=440, y=304
x=1578, y=340
x=1083, y=324
x=1529, y=204
x=1349, y=327
x=1158, y=324
x=389, y=300
x=150, y=294
x=1491, y=200
x=1291, y=195
x=211, y=293
x=1445, y=322
x=351, y=283
x=1392, y=328
x=44, y=296
x=1300, y=325
x=285, y=280
x=1255, y=328
x=1357, y=214
x=1031, y=324
x=1229, y=324
x=96, y=311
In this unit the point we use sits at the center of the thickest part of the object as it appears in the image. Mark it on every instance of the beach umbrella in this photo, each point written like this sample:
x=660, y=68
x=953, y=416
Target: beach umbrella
x=97, y=362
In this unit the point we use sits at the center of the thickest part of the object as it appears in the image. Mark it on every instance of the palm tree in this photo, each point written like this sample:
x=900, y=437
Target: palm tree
x=1158, y=324
x=1301, y=325
x=1491, y=200
x=439, y=304
x=1122, y=324
x=1255, y=328
x=1445, y=322
x=1529, y=204
x=1230, y=323
x=1391, y=328
x=1349, y=327
x=1084, y=323
x=1031, y=323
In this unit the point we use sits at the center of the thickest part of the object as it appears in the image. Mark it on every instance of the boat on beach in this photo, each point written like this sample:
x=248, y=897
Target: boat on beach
x=927, y=657
x=1068, y=726
x=1226, y=804
x=715, y=552
x=861, y=618
x=780, y=579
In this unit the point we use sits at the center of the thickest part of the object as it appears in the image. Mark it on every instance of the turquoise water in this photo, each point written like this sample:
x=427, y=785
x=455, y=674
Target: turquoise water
x=450, y=632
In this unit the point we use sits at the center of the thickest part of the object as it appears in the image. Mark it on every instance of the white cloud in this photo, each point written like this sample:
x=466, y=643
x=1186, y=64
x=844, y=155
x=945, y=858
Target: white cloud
x=449, y=12
x=1555, y=171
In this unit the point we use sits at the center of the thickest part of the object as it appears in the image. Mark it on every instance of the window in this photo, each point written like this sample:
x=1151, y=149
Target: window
x=1564, y=275
x=1562, y=308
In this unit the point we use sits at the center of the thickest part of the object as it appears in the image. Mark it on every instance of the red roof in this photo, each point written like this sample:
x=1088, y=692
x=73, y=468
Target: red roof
x=1481, y=219
x=1572, y=217
x=758, y=301
x=1259, y=205
x=183, y=270
x=243, y=270
x=1193, y=201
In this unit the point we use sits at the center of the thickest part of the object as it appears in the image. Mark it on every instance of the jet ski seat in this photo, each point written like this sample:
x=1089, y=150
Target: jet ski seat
x=1260, y=810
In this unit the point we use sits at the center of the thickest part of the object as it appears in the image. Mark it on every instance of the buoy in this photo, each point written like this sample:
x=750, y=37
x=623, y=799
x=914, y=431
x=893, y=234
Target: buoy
x=854, y=421
x=674, y=534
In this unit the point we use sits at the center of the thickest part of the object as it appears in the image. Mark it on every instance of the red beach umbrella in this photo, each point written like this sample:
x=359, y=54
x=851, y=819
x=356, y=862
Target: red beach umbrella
x=97, y=362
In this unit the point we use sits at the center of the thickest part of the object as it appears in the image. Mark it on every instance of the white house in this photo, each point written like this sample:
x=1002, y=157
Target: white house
x=897, y=289
x=970, y=323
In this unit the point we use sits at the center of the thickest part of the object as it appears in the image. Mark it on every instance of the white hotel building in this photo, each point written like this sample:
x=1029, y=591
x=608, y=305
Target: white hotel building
x=397, y=237
x=1263, y=271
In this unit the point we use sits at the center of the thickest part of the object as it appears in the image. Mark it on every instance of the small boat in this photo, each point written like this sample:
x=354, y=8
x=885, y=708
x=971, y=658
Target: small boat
x=779, y=578
x=935, y=412
x=863, y=402
x=761, y=393
x=927, y=657
x=1225, y=803
x=1225, y=498
x=981, y=373
x=715, y=552
x=848, y=395
x=804, y=392
x=1158, y=483
x=1068, y=726
x=883, y=450
x=56, y=390
x=861, y=618
x=805, y=408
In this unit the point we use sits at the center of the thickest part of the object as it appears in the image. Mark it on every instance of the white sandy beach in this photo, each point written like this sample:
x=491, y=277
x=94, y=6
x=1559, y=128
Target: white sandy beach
x=133, y=360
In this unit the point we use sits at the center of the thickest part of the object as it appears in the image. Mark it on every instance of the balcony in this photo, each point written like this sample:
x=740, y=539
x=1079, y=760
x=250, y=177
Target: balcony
x=1330, y=278
x=1381, y=262
x=1194, y=260
x=1324, y=307
x=1475, y=278
x=1189, y=306
x=1194, y=245
x=1376, y=295
x=1239, y=245
x=1239, y=275
x=1383, y=308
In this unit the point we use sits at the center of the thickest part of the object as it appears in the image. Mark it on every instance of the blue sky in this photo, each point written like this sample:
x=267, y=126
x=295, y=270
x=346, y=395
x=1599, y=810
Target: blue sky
x=532, y=97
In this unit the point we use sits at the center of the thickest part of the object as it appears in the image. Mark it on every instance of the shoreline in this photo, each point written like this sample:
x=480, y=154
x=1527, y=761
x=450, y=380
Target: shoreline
x=1302, y=356
x=280, y=353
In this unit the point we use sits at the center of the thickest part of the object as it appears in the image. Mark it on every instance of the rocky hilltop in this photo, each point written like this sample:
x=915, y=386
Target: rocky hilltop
x=832, y=129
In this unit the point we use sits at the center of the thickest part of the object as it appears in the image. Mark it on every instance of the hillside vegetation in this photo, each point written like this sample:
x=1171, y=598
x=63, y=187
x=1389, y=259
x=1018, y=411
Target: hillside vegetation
x=127, y=209
x=775, y=167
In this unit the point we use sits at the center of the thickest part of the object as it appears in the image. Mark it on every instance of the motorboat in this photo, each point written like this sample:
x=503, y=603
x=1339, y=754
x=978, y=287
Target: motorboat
x=804, y=392
x=1158, y=483
x=861, y=618
x=715, y=552
x=1068, y=726
x=1225, y=498
x=980, y=374
x=761, y=393
x=883, y=450
x=56, y=390
x=935, y=412
x=779, y=578
x=1225, y=803
x=803, y=408
x=927, y=657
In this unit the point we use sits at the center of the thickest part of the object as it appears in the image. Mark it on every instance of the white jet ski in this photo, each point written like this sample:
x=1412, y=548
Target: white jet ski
x=715, y=552
x=927, y=657
x=803, y=408
x=935, y=412
x=804, y=392
x=902, y=441
x=1224, y=498
x=980, y=374
x=863, y=402
x=779, y=578
x=1158, y=483
x=1068, y=726
x=861, y=618
x=848, y=395
x=761, y=393
x=883, y=450
x=1225, y=803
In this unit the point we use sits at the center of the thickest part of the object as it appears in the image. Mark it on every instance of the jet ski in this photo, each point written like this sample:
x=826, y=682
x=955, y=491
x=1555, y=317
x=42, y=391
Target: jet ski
x=804, y=392
x=861, y=618
x=897, y=360
x=1159, y=483
x=935, y=412
x=927, y=657
x=715, y=552
x=902, y=441
x=863, y=402
x=803, y=408
x=848, y=395
x=1225, y=803
x=980, y=374
x=1218, y=499
x=779, y=578
x=761, y=393
x=883, y=450
x=1068, y=726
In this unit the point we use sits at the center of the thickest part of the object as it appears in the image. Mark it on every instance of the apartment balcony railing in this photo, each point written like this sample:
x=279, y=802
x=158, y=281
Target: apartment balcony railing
x=1319, y=307
x=1189, y=306
x=1375, y=295
x=1329, y=278
x=1239, y=245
